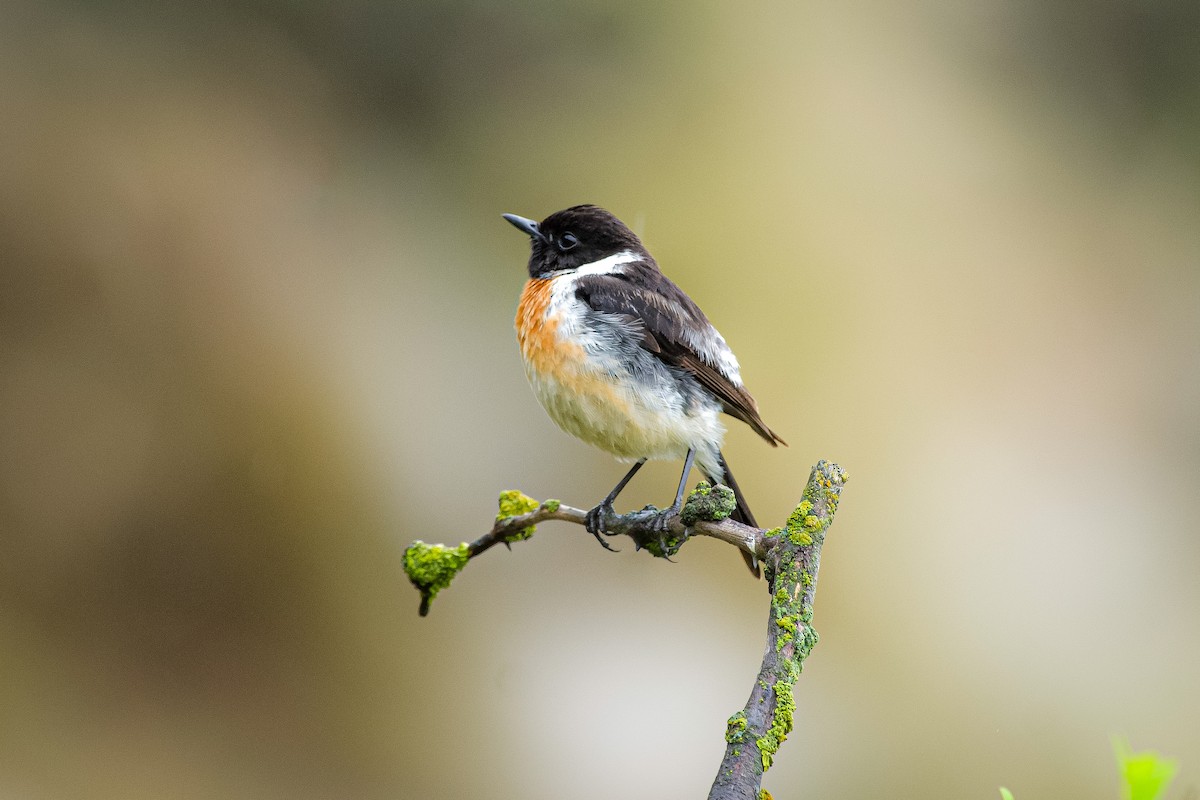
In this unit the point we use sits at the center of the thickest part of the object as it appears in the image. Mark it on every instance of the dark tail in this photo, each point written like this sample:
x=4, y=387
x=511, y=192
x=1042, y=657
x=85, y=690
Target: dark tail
x=740, y=514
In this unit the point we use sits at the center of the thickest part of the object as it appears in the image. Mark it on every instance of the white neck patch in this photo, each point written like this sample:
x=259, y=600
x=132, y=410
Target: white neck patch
x=607, y=265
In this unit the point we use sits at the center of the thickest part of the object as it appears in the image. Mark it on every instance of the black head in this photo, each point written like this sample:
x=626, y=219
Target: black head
x=579, y=235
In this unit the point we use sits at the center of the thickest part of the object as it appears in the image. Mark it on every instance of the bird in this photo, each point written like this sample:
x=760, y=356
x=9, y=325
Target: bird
x=622, y=358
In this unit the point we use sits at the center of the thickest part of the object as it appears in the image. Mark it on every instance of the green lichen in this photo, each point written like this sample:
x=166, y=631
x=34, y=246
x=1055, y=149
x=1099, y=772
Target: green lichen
x=791, y=609
x=807, y=641
x=788, y=626
x=736, y=727
x=713, y=503
x=793, y=574
x=551, y=505
x=791, y=662
x=781, y=721
x=763, y=794
x=665, y=548
x=431, y=567
x=513, y=504
x=803, y=527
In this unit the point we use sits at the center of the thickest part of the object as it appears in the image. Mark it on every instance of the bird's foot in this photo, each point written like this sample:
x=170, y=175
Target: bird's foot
x=661, y=542
x=595, y=520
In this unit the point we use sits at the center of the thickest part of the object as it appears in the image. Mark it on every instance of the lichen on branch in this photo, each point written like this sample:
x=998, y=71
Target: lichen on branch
x=713, y=503
x=514, y=503
x=790, y=554
x=793, y=557
x=431, y=567
x=706, y=513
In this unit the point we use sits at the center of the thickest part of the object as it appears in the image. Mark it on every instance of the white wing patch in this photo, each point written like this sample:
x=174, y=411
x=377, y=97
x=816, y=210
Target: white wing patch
x=710, y=345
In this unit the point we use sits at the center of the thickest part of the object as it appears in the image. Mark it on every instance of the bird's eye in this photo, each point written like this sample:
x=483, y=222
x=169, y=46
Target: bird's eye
x=567, y=241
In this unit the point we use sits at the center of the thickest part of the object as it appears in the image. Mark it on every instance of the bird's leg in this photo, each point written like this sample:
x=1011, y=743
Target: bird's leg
x=659, y=523
x=595, y=518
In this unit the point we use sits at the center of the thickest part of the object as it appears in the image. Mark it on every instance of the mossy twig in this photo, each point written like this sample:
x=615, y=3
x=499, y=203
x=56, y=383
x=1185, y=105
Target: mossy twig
x=432, y=567
x=792, y=558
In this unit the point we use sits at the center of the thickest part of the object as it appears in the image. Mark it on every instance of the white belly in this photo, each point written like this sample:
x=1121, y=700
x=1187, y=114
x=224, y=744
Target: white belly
x=629, y=420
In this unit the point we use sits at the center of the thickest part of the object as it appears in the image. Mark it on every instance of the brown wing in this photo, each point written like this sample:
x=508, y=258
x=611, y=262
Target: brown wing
x=675, y=330
x=736, y=400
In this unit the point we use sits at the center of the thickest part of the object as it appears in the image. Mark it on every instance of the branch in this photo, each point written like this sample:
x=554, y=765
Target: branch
x=706, y=512
x=793, y=556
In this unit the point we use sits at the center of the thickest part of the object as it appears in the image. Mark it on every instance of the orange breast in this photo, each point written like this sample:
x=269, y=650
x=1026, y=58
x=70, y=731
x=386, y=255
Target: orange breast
x=537, y=334
x=583, y=398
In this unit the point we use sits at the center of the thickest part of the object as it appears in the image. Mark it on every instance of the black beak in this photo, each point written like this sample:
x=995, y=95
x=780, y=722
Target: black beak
x=525, y=226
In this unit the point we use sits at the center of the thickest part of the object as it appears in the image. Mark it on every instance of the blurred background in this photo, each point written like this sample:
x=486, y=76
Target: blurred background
x=256, y=307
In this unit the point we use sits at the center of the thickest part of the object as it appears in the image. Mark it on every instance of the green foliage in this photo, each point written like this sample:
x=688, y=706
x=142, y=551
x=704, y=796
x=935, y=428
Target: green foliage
x=1147, y=775
x=1144, y=776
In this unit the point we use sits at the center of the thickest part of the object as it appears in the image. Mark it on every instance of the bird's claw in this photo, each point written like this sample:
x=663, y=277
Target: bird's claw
x=594, y=521
x=660, y=527
x=661, y=522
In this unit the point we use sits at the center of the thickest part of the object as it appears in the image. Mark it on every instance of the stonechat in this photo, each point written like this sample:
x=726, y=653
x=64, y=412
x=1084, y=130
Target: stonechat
x=621, y=358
